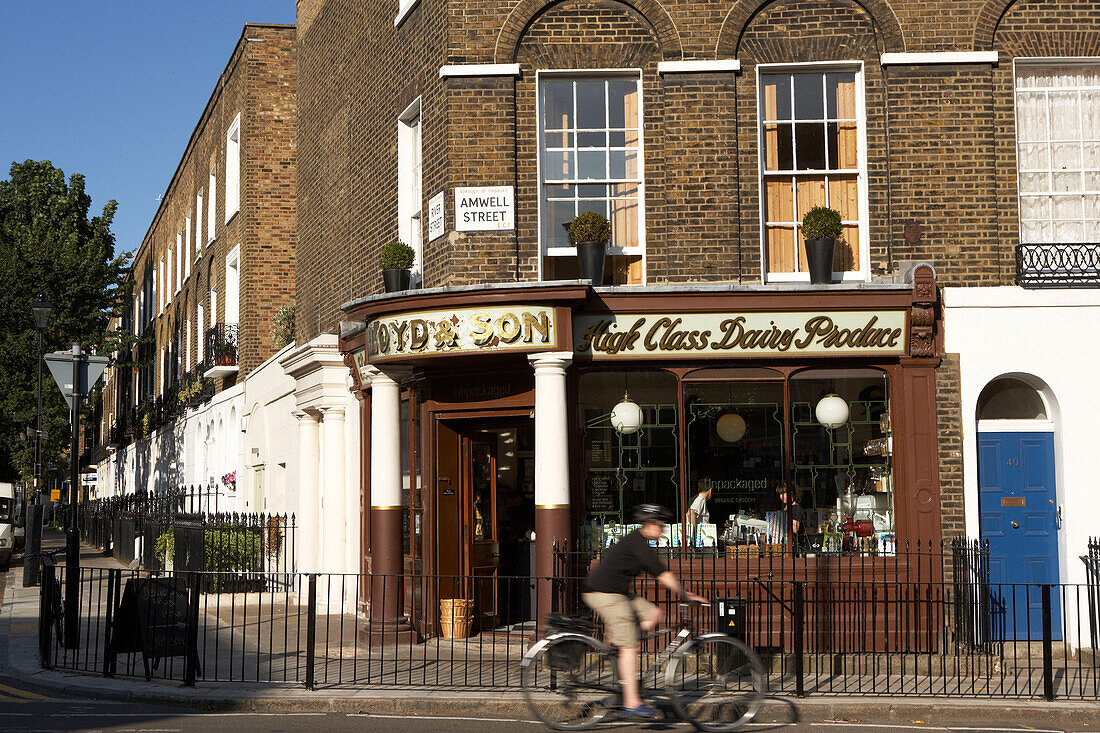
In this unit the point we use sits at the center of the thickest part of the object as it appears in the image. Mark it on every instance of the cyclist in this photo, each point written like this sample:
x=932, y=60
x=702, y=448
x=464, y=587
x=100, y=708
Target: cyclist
x=607, y=592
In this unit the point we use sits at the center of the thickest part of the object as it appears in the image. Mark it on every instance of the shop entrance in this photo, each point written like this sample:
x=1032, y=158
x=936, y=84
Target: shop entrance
x=485, y=515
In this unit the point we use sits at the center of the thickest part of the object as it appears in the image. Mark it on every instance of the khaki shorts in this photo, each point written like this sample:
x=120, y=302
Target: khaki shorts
x=620, y=616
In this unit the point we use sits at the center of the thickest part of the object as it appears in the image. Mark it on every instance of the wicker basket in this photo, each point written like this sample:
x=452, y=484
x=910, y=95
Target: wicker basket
x=454, y=617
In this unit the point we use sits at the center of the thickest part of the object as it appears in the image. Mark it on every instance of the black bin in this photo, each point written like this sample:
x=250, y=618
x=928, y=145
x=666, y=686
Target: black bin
x=732, y=617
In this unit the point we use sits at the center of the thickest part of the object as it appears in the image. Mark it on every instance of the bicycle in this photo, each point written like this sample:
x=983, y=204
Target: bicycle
x=713, y=681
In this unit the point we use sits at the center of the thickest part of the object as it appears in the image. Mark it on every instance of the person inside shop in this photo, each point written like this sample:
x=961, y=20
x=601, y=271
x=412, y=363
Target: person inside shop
x=788, y=503
x=699, y=513
x=607, y=592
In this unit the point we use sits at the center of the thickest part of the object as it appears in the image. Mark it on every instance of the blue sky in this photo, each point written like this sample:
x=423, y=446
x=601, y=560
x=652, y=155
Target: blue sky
x=113, y=88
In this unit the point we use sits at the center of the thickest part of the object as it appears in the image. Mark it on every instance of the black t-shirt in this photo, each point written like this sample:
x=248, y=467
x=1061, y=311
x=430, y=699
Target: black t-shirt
x=624, y=561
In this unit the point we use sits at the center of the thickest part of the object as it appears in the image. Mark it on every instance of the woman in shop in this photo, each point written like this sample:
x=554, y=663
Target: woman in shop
x=788, y=504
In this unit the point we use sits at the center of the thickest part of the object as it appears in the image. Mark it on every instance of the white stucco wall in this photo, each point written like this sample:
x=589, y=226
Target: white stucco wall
x=1052, y=339
x=270, y=440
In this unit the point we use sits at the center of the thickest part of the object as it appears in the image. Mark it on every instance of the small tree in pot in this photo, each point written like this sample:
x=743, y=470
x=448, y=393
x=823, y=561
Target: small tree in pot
x=395, y=260
x=590, y=233
x=821, y=228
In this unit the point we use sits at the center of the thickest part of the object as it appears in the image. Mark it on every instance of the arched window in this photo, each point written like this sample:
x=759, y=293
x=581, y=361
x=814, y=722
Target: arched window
x=1009, y=398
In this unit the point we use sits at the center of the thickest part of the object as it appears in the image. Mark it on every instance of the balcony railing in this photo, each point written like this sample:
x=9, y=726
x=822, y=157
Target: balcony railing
x=221, y=350
x=1074, y=265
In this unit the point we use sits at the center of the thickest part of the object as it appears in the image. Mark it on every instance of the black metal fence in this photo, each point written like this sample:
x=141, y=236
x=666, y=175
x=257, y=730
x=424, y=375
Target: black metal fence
x=1075, y=265
x=816, y=637
x=239, y=549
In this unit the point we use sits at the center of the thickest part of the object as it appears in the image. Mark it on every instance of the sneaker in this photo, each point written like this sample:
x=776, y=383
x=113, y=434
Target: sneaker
x=642, y=711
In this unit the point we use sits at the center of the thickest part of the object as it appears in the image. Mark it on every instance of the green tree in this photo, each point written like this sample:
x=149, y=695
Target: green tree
x=49, y=244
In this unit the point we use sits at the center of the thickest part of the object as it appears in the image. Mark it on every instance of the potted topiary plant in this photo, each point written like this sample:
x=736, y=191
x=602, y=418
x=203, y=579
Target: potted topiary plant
x=590, y=233
x=395, y=260
x=821, y=228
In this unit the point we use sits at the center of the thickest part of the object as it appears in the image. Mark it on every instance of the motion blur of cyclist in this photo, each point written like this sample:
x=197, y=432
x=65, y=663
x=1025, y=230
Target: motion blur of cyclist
x=608, y=594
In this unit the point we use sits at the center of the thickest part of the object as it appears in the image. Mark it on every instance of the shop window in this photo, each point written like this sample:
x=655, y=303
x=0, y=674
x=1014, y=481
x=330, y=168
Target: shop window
x=1011, y=399
x=624, y=470
x=1058, y=152
x=590, y=159
x=735, y=449
x=811, y=128
x=841, y=477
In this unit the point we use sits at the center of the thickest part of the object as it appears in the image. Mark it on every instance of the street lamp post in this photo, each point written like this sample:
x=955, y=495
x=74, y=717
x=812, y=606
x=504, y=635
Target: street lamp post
x=41, y=310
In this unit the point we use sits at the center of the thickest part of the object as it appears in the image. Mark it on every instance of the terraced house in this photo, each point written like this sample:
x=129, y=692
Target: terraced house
x=926, y=392
x=215, y=266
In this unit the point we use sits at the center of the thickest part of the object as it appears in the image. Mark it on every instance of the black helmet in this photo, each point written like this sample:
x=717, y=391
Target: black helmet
x=651, y=513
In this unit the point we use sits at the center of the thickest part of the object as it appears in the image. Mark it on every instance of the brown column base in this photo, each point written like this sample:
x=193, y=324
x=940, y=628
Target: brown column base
x=551, y=526
x=387, y=599
x=383, y=634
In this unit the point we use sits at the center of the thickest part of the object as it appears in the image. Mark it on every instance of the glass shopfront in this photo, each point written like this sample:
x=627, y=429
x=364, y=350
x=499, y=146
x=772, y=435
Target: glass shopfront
x=752, y=440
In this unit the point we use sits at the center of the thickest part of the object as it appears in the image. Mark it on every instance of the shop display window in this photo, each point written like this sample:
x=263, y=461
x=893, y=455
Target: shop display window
x=735, y=449
x=624, y=470
x=779, y=479
x=841, y=477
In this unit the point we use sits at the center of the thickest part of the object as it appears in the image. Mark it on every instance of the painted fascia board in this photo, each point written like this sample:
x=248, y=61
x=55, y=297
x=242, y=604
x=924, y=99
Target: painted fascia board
x=459, y=70
x=701, y=66
x=940, y=57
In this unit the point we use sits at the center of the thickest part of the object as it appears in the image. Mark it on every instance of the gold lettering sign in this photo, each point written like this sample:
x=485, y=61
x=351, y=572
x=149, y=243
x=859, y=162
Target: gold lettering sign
x=360, y=359
x=735, y=334
x=462, y=331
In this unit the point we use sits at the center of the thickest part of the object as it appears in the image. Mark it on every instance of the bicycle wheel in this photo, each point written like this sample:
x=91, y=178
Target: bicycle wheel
x=716, y=683
x=570, y=682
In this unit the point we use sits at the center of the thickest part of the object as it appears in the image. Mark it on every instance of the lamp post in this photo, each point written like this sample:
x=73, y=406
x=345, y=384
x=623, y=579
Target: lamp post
x=41, y=310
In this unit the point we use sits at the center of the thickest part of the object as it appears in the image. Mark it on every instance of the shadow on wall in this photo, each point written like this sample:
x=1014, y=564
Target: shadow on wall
x=158, y=460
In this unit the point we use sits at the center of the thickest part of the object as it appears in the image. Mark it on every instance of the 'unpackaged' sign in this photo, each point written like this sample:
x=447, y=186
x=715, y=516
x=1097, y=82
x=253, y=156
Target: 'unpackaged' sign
x=484, y=208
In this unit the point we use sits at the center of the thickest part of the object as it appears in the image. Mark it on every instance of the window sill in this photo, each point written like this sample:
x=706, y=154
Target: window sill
x=219, y=371
x=232, y=216
x=572, y=251
x=403, y=12
x=804, y=277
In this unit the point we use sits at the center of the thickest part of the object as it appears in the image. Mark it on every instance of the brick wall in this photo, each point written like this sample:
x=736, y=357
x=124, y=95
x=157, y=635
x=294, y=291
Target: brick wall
x=949, y=424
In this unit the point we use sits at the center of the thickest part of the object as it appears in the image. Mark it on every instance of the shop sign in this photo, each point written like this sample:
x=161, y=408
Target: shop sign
x=484, y=209
x=462, y=331
x=802, y=333
x=436, y=225
x=360, y=359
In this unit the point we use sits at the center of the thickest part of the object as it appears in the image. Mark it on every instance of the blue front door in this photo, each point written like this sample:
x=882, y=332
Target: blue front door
x=1019, y=510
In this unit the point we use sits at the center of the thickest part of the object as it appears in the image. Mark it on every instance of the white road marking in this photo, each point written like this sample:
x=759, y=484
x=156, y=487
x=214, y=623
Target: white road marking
x=441, y=717
x=949, y=729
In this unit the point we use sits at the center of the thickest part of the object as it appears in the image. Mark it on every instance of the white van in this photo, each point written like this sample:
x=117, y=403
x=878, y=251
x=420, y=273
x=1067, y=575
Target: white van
x=7, y=519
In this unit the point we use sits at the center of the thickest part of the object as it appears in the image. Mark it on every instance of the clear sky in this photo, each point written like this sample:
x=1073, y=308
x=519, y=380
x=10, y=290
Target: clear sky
x=113, y=88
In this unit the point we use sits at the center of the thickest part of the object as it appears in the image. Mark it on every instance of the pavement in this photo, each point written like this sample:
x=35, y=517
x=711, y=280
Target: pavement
x=22, y=680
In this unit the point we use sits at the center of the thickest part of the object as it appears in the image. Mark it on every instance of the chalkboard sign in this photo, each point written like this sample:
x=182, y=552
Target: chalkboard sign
x=152, y=618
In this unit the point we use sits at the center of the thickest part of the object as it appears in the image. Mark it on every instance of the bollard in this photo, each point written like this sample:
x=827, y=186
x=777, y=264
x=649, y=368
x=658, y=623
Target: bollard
x=45, y=617
x=191, y=661
x=33, y=545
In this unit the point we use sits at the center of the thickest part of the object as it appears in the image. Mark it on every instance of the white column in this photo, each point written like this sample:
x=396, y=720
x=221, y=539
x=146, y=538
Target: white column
x=307, y=530
x=353, y=484
x=385, y=442
x=551, y=429
x=332, y=490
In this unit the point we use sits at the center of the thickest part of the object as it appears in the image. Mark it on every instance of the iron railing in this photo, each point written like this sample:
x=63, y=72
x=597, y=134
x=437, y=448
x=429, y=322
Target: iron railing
x=816, y=636
x=1074, y=265
x=221, y=344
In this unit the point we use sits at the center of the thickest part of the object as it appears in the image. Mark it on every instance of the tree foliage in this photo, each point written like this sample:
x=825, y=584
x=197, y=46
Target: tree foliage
x=49, y=245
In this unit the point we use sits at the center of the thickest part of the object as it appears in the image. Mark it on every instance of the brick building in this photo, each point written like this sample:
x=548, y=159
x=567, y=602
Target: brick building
x=474, y=129
x=215, y=266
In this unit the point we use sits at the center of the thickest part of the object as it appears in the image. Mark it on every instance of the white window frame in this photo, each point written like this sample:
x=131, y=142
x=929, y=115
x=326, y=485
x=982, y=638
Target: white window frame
x=410, y=164
x=1046, y=61
x=200, y=320
x=179, y=260
x=212, y=205
x=641, y=248
x=187, y=247
x=163, y=289
x=233, y=169
x=823, y=67
x=232, y=304
x=187, y=349
x=198, y=222
x=213, y=308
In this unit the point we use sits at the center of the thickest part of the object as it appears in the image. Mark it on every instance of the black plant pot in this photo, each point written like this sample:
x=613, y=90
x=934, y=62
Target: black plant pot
x=395, y=280
x=819, y=252
x=590, y=260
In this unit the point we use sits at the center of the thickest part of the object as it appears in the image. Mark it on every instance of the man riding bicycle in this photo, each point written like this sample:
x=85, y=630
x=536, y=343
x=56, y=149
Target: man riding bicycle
x=607, y=592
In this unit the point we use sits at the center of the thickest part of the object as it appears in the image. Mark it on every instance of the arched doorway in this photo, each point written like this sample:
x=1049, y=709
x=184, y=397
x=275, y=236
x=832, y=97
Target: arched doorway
x=1018, y=504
